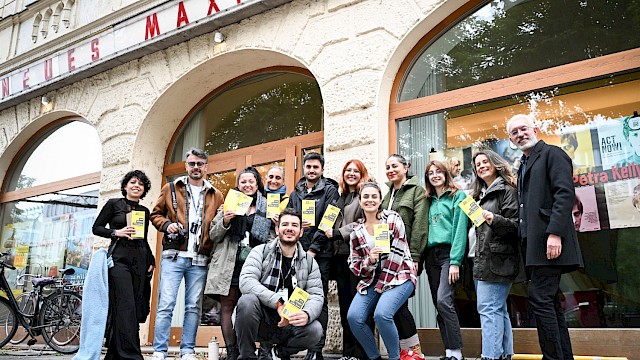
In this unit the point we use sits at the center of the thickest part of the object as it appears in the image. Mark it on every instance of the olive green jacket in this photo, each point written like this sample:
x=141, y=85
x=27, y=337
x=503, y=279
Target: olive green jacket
x=413, y=206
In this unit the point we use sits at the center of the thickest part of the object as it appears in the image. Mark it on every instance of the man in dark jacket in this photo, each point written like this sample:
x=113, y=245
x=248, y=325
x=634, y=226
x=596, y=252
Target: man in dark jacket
x=549, y=241
x=324, y=192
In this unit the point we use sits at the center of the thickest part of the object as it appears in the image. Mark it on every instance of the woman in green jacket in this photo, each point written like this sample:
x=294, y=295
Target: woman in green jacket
x=407, y=198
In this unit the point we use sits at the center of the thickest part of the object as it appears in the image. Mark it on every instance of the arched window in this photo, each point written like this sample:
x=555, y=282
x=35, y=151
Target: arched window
x=49, y=202
x=575, y=67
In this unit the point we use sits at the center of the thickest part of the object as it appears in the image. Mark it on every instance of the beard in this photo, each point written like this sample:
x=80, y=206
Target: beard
x=532, y=142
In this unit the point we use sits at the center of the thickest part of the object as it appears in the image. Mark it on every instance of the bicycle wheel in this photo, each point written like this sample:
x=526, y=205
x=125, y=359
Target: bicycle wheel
x=26, y=305
x=60, y=320
x=8, y=322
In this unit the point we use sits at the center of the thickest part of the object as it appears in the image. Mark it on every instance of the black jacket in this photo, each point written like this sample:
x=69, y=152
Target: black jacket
x=546, y=196
x=324, y=192
x=497, y=255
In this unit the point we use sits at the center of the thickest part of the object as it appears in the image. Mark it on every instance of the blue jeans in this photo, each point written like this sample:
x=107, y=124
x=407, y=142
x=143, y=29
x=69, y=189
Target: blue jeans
x=385, y=305
x=497, y=337
x=171, y=274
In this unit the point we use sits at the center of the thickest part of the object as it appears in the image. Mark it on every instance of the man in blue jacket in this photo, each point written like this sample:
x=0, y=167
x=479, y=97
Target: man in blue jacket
x=549, y=242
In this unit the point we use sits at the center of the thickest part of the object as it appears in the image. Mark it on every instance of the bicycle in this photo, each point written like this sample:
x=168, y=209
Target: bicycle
x=56, y=316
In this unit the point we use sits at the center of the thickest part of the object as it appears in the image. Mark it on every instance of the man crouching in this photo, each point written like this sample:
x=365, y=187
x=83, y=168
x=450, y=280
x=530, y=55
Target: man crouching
x=268, y=278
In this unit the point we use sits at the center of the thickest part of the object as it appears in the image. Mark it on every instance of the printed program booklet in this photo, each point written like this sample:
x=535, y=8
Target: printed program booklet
x=296, y=302
x=136, y=219
x=381, y=237
x=329, y=218
x=309, y=211
x=471, y=208
x=237, y=202
x=273, y=205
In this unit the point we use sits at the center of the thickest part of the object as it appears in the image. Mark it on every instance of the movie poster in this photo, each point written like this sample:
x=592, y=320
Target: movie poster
x=576, y=142
x=620, y=202
x=613, y=146
x=585, y=213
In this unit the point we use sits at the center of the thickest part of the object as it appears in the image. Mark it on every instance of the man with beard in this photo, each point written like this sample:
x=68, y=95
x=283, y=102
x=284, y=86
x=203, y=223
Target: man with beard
x=324, y=192
x=267, y=280
x=546, y=229
x=183, y=213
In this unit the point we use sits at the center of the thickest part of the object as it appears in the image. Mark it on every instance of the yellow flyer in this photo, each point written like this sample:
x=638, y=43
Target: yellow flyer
x=296, y=302
x=329, y=218
x=273, y=205
x=472, y=209
x=381, y=237
x=309, y=211
x=237, y=202
x=136, y=219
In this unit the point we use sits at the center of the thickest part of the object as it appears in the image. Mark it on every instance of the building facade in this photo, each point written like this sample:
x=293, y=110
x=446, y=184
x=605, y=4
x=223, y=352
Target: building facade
x=90, y=90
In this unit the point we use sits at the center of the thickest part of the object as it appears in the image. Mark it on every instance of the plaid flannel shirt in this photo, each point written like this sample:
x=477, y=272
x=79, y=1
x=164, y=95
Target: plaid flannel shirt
x=398, y=266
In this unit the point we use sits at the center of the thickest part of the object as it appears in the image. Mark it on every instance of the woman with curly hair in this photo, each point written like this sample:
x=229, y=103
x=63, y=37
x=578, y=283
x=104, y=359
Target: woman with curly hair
x=133, y=265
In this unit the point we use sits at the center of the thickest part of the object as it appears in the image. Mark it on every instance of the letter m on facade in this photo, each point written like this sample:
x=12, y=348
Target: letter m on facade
x=152, y=28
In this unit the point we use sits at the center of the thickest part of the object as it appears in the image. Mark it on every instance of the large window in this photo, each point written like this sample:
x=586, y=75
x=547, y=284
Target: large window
x=453, y=98
x=255, y=110
x=50, y=201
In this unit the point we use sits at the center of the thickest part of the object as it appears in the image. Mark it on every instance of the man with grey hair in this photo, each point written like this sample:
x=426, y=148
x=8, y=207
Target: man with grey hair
x=183, y=213
x=546, y=229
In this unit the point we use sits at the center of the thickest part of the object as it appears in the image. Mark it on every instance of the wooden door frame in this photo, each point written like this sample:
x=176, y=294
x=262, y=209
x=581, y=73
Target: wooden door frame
x=291, y=150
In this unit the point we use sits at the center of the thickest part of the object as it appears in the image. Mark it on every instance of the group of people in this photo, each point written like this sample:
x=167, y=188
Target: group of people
x=254, y=263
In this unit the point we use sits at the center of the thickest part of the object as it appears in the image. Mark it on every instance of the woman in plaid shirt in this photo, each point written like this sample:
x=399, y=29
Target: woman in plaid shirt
x=387, y=277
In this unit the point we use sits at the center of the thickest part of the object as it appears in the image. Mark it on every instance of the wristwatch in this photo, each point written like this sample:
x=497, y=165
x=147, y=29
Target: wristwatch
x=113, y=234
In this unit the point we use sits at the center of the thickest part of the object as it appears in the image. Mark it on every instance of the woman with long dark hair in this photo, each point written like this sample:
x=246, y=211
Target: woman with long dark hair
x=494, y=246
x=233, y=236
x=354, y=173
x=406, y=197
x=387, y=278
x=445, y=251
x=133, y=265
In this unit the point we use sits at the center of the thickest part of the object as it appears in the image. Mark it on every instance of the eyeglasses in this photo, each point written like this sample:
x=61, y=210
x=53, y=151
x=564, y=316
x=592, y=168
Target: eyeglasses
x=521, y=129
x=196, y=163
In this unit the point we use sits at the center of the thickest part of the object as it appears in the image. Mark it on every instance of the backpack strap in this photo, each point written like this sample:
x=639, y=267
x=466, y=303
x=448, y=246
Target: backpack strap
x=173, y=199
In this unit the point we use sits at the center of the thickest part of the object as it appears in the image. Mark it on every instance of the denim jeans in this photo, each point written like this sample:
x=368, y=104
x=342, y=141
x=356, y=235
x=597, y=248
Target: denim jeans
x=437, y=264
x=497, y=337
x=385, y=305
x=171, y=274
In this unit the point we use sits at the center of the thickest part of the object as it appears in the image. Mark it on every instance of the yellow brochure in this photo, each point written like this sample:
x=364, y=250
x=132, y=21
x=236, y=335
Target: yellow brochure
x=309, y=211
x=472, y=209
x=329, y=218
x=137, y=221
x=237, y=202
x=273, y=205
x=296, y=302
x=381, y=237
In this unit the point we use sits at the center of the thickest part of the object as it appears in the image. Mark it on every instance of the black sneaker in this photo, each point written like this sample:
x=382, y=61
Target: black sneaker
x=232, y=352
x=313, y=355
x=282, y=355
x=264, y=352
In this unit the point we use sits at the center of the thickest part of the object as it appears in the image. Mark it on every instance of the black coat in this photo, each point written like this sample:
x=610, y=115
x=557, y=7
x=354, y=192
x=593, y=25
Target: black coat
x=497, y=255
x=546, y=196
x=325, y=193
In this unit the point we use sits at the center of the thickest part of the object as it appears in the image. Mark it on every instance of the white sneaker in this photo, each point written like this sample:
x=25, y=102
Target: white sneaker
x=157, y=356
x=189, y=356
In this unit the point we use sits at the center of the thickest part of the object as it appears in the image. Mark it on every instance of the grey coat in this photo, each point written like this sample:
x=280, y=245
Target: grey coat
x=223, y=258
x=257, y=268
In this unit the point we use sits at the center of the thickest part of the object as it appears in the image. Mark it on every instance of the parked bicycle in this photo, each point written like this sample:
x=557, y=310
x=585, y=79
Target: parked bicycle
x=54, y=314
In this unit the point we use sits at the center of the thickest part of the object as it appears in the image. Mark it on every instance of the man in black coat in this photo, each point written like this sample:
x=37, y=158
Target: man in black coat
x=324, y=192
x=550, y=246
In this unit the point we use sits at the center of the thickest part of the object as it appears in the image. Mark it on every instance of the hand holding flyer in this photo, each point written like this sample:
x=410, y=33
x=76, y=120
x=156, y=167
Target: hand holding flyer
x=237, y=202
x=309, y=211
x=273, y=205
x=472, y=210
x=329, y=218
x=296, y=302
x=381, y=237
x=136, y=219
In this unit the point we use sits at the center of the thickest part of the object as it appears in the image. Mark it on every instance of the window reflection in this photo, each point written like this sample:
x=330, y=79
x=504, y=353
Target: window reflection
x=595, y=124
x=499, y=40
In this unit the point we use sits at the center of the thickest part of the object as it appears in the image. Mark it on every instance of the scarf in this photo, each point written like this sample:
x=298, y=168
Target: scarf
x=261, y=225
x=274, y=275
x=282, y=190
